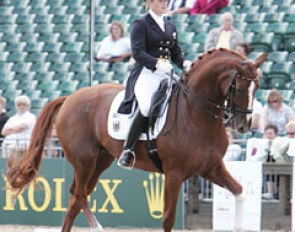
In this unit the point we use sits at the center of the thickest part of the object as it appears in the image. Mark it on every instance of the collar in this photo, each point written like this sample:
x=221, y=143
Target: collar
x=159, y=19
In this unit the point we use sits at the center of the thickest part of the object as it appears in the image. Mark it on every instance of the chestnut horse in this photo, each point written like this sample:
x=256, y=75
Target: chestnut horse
x=193, y=141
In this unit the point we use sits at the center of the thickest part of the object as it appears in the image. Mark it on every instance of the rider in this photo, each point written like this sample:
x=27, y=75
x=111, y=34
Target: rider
x=154, y=43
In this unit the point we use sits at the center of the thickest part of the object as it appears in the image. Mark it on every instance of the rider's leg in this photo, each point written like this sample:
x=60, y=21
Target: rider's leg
x=134, y=133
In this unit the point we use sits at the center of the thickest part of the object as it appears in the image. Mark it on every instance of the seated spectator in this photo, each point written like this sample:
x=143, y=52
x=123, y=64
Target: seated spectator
x=290, y=131
x=180, y=6
x=54, y=149
x=276, y=112
x=234, y=151
x=259, y=150
x=225, y=36
x=115, y=47
x=17, y=130
x=208, y=7
x=3, y=117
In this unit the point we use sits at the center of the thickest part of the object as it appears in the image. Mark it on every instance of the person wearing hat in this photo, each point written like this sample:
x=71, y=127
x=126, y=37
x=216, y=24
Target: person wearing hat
x=154, y=46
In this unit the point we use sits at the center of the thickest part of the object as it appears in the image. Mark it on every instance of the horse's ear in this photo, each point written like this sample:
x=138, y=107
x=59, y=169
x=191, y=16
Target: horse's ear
x=261, y=59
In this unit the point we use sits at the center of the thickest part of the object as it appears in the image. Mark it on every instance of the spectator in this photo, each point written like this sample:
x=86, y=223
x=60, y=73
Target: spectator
x=54, y=149
x=180, y=6
x=244, y=50
x=3, y=117
x=208, y=7
x=234, y=151
x=290, y=131
x=17, y=130
x=115, y=47
x=225, y=36
x=276, y=112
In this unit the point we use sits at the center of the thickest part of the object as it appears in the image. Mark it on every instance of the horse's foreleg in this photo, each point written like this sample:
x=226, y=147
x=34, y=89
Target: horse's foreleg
x=172, y=187
x=220, y=176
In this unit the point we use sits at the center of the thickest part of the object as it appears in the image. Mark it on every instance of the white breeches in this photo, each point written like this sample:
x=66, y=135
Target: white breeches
x=145, y=87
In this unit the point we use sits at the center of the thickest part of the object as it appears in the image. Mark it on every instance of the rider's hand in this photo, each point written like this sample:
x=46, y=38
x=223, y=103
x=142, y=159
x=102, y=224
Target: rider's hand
x=163, y=67
x=187, y=65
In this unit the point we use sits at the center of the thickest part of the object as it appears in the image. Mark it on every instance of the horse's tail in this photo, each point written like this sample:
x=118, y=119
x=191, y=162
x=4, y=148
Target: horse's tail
x=22, y=172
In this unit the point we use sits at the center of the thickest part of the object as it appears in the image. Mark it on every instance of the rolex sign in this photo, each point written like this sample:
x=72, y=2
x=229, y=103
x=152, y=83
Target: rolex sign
x=121, y=198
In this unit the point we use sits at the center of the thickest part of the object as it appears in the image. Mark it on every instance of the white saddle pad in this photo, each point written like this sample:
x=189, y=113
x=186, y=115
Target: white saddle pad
x=119, y=124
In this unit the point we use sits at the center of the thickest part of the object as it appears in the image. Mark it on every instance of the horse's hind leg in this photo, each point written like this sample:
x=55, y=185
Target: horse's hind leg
x=172, y=187
x=103, y=162
x=220, y=176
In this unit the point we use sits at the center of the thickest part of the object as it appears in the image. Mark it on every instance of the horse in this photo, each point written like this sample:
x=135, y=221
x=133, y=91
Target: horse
x=193, y=141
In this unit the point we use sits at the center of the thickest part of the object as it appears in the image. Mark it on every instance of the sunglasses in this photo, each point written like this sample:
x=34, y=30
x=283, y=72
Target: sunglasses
x=291, y=133
x=21, y=104
x=274, y=101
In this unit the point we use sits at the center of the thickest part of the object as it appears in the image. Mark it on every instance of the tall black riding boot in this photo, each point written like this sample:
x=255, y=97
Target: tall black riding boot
x=134, y=133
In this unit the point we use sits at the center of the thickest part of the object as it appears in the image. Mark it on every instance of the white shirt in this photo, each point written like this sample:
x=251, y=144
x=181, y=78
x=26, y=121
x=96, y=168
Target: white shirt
x=112, y=48
x=257, y=107
x=176, y=3
x=22, y=137
x=159, y=19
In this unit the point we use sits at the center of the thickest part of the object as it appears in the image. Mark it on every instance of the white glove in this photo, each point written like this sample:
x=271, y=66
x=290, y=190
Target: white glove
x=163, y=67
x=187, y=64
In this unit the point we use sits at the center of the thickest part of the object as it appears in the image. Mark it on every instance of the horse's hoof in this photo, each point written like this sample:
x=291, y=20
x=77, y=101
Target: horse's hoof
x=97, y=229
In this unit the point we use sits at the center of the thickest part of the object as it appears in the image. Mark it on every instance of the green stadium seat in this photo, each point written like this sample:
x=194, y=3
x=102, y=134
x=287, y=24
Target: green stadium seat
x=21, y=67
x=121, y=68
x=250, y=9
x=68, y=87
x=186, y=37
x=43, y=76
x=29, y=38
x=8, y=19
x=63, y=67
x=278, y=83
x=280, y=30
x=34, y=47
x=24, y=77
x=25, y=19
x=79, y=67
x=43, y=19
x=124, y=18
x=63, y=77
x=52, y=94
x=83, y=84
x=44, y=28
x=73, y=2
x=58, y=10
x=82, y=76
x=52, y=47
x=16, y=57
x=48, y=38
x=55, y=2
x=2, y=46
x=40, y=67
x=11, y=38
x=25, y=28
x=4, y=56
x=109, y=2
x=11, y=94
x=266, y=67
x=101, y=19
x=68, y=37
x=34, y=57
x=281, y=70
x=47, y=85
x=56, y=57
x=291, y=57
x=8, y=84
x=286, y=94
x=81, y=19
x=38, y=3
x=32, y=94
x=287, y=9
x=263, y=42
x=74, y=57
x=263, y=2
x=71, y=47
x=62, y=19
x=6, y=10
x=80, y=28
x=253, y=18
x=115, y=10
x=101, y=67
x=257, y=27
x=27, y=85
x=62, y=28
x=20, y=10
x=76, y=10
x=5, y=67
x=44, y=10
x=277, y=57
x=82, y=37
x=38, y=103
x=15, y=47
x=8, y=29
x=268, y=9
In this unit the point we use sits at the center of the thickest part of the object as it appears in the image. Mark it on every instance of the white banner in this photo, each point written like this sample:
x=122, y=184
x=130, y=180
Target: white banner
x=249, y=175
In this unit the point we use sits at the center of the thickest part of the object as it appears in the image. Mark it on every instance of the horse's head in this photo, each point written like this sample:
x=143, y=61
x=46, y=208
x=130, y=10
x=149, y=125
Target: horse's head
x=240, y=91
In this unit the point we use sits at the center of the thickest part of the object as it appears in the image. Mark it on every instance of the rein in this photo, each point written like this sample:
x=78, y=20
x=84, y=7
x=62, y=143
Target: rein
x=229, y=108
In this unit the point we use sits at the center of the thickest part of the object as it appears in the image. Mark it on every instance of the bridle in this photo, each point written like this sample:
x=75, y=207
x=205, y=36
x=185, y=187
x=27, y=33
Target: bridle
x=229, y=108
